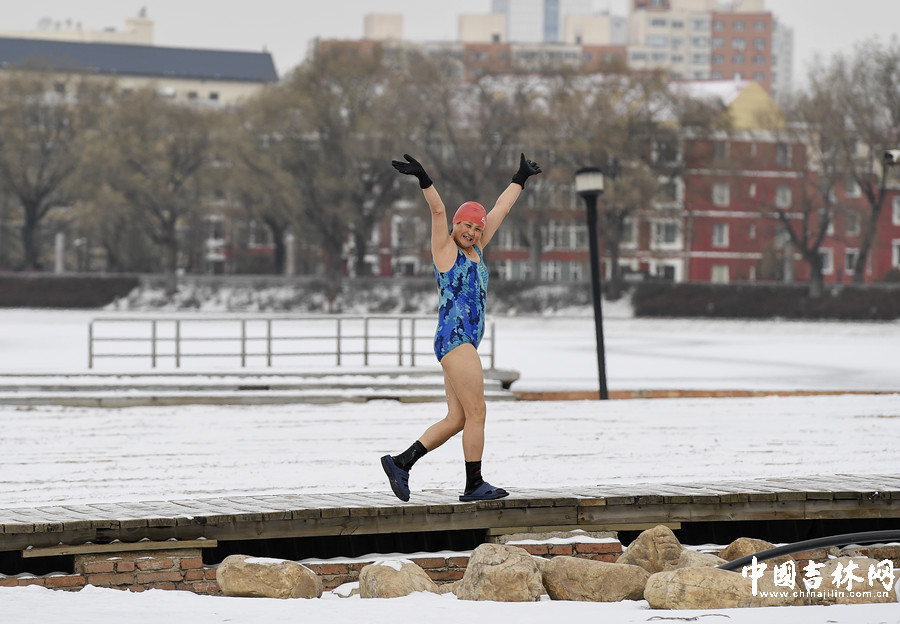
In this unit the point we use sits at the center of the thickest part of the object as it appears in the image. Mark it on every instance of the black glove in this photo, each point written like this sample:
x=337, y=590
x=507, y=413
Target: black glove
x=413, y=167
x=526, y=168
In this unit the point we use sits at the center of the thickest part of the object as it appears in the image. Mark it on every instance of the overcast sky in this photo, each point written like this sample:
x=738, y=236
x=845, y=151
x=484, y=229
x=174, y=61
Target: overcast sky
x=284, y=27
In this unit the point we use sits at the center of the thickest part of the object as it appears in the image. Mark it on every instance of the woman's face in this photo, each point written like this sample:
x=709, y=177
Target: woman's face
x=467, y=234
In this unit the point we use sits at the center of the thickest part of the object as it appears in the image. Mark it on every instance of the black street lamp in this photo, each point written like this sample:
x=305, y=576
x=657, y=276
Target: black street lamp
x=589, y=186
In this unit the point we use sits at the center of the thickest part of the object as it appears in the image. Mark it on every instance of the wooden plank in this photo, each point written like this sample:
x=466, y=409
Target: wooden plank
x=83, y=549
x=608, y=527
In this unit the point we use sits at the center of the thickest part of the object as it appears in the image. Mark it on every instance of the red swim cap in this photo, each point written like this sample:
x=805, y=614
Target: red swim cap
x=473, y=212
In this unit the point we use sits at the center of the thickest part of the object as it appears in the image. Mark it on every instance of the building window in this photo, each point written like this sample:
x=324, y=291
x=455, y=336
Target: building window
x=737, y=59
x=751, y=232
x=719, y=274
x=783, y=196
x=677, y=42
x=852, y=224
x=629, y=233
x=192, y=95
x=717, y=59
x=824, y=215
x=895, y=217
x=852, y=188
x=659, y=21
x=657, y=41
x=739, y=25
x=759, y=77
x=566, y=236
x=718, y=25
x=700, y=42
x=759, y=44
x=666, y=235
x=827, y=256
x=758, y=59
x=699, y=24
x=258, y=235
x=638, y=56
x=782, y=154
x=551, y=271
x=751, y=190
x=214, y=95
x=850, y=258
x=666, y=271
x=720, y=150
x=700, y=59
x=677, y=24
x=718, y=42
x=895, y=253
x=721, y=195
x=759, y=25
x=720, y=235
x=738, y=44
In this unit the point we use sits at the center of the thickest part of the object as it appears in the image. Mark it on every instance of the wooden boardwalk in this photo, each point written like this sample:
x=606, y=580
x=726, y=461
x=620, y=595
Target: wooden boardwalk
x=611, y=507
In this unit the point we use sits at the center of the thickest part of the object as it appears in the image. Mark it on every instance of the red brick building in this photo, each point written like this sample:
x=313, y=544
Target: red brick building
x=718, y=225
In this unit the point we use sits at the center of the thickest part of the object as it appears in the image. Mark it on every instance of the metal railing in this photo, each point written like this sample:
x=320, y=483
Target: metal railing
x=396, y=340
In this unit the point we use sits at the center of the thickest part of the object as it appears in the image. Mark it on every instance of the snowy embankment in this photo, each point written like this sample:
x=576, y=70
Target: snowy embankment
x=52, y=455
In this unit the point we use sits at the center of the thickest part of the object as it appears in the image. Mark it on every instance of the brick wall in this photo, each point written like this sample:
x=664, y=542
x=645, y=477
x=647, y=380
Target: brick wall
x=183, y=569
x=451, y=568
x=136, y=571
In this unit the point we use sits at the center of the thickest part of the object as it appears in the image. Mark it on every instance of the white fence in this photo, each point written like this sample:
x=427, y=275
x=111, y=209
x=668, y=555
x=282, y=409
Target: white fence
x=395, y=340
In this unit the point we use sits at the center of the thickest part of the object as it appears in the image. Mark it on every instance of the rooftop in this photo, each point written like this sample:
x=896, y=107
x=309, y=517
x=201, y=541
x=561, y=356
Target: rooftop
x=114, y=59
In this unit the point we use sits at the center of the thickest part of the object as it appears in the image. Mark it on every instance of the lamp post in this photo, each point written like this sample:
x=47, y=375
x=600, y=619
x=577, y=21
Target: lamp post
x=589, y=186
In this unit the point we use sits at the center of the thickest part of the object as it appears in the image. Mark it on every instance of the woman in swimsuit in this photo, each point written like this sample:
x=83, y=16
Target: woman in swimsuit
x=462, y=284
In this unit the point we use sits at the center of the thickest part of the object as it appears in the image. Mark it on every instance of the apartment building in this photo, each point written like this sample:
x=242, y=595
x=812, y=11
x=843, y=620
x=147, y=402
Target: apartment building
x=711, y=40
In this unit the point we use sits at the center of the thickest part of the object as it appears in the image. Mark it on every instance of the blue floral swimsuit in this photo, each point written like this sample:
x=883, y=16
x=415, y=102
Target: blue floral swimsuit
x=462, y=292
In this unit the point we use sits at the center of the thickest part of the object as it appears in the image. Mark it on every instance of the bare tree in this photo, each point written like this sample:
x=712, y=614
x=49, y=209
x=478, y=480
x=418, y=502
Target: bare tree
x=333, y=127
x=471, y=135
x=157, y=155
x=811, y=151
x=43, y=121
x=866, y=86
x=255, y=180
x=103, y=218
x=631, y=127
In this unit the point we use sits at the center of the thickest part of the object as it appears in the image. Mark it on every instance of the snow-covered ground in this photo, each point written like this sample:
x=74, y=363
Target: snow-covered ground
x=554, y=353
x=53, y=454
x=34, y=605
x=79, y=455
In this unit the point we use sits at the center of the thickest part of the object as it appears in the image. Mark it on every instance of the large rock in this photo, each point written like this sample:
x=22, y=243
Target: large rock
x=698, y=588
x=712, y=588
x=393, y=579
x=743, y=547
x=653, y=549
x=658, y=550
x=834, y=587
x=573, y=578
x=694, y=559
x=501, y=573
x=239, y=575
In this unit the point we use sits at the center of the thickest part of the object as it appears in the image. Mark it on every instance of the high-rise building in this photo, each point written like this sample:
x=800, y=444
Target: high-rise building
x=711, y=39
x=383, y=27
x=538, y=21
x=782, y=60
